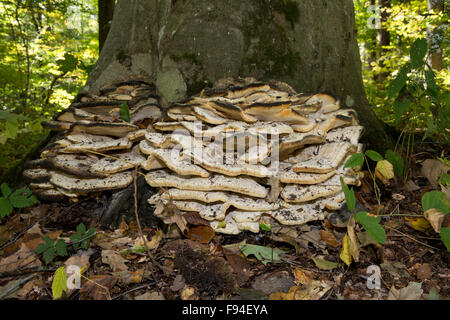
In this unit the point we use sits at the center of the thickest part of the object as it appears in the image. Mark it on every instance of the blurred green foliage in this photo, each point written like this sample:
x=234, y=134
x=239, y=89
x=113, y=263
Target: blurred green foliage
x=399, y=82
x=47, y=48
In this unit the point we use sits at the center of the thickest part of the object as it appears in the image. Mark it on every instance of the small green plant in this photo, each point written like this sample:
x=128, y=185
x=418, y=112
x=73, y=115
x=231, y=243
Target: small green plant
x=415, y=93
x=384, y=168
x=265, y=227
x=49, y=248
x=82, y=237
x=371, y=223
x=20, y=198
x=124, y=112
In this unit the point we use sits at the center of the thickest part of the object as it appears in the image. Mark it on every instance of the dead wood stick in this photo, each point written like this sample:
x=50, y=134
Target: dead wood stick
x=20, y=272
x=16, y=286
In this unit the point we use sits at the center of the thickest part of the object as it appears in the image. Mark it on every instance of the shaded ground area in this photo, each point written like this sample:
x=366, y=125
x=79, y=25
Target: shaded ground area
x=413, y=263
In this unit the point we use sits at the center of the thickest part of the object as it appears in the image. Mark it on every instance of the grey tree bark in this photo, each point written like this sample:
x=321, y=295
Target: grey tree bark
x=105, y=15
x=186, y=45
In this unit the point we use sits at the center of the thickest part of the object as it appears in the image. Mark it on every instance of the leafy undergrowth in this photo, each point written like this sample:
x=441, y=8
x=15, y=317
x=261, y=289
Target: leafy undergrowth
x=44, y=246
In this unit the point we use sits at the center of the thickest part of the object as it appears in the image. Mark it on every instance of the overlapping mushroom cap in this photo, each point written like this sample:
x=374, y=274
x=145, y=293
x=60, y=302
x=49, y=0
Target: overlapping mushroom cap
x=238, y=154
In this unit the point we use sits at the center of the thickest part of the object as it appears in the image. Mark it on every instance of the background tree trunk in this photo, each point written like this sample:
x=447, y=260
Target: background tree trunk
x=384, y=36
x=436, y=57
x=105, y=16
x=185, y=45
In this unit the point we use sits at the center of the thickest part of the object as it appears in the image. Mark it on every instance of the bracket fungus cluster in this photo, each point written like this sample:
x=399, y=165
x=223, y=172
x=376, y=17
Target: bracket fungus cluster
x=238, y=154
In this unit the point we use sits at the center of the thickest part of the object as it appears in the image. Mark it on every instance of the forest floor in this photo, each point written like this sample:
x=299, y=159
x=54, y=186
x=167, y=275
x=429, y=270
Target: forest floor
x=306, y=264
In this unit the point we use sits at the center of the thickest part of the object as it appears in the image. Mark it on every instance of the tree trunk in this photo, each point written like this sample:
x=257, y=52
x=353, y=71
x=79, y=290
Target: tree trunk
x=384, y=36
x=436, y=57
x=186, y=45
x=105, y=16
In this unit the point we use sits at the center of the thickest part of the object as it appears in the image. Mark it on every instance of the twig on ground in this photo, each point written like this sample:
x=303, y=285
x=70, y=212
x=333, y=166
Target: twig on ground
x=408, y=236
x=20, y=272
x=134, y=289
x=16, y=286
x=22, y=232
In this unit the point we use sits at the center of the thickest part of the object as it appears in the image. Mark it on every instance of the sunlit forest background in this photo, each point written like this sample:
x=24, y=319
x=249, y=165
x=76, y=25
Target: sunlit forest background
x=48, y=48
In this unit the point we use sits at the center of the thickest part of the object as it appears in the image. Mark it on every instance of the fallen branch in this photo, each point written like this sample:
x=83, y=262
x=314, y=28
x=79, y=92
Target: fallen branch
x=408, y=236
x=16, y=286
x=20, y=272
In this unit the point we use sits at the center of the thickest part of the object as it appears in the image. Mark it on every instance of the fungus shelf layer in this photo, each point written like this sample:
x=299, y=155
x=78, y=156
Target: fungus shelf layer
x=240, y=153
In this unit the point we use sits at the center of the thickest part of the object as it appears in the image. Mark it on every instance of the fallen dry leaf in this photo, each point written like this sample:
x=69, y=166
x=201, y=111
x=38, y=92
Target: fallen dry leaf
x=277, y=281
x=432, y=169
x=152, y=244
x=345, y=254
x=435, y=218
x=314, y=290
x=98, y=287
x=202, y=234
x=154, y=295
x=301, y=277
x=114, y=260
x=419, y=224
x=188, y=293
x=240, y=266
x=178, y=283
x=129, y=277
x=195, y=219
x=412, y=292
x=32, y=285
x=329, y=238
x=352, y=239
x=81, y=259
x=424, y=272
x=24, y=258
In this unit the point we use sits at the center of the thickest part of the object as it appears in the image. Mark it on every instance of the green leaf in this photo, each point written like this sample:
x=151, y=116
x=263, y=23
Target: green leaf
x=373, y=155
x=325, y=265
x=42, y=247
x=349, y=196
x=432, y=88
x=445, y=236
x=81, y=228
x=400, y=108
x=399, y=82
x=418, y=52
x=22, y=198
x=85, y=244
x=356, y=160
x=124, y=112
x=68, y=64
x=48, y=255
x=59, y=283
x=263, y=254
x=396, y=160
x=444, y=179
x=6, y=190
x=264, y=227
x=221, y=225
x=5, y=207
x=372, y=225
x=61, y=248
x=436, y=200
